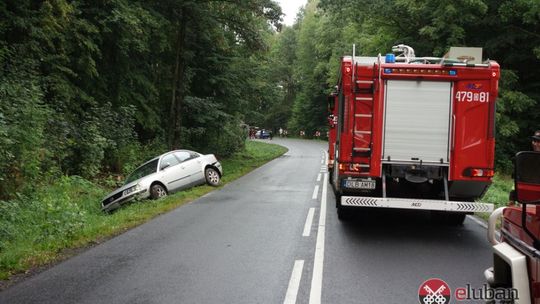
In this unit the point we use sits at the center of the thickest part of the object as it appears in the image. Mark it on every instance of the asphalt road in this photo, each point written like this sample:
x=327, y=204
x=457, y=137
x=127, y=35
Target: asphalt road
x=264, y=239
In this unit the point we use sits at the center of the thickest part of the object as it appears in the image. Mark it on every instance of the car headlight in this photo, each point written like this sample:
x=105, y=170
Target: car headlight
x=130, y=190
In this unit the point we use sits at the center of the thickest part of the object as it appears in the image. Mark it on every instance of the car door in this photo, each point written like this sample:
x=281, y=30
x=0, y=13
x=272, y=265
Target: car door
x=172, y=174
x=192, y=165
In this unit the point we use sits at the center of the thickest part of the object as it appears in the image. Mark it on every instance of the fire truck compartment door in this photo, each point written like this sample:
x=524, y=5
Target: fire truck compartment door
x=417, y=121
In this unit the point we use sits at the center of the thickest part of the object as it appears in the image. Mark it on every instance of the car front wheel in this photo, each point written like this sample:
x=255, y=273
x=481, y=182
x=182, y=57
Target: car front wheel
x=157, y=191
x=212, y=177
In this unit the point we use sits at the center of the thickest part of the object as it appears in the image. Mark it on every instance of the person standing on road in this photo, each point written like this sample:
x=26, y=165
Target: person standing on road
x=280, y=132
x=536, y=141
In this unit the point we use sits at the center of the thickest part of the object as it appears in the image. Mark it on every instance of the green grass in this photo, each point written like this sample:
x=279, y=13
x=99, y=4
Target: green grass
x=498, y=193
x=66, y=215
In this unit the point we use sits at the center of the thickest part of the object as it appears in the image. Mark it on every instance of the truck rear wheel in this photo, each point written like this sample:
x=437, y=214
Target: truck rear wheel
x=342, y=213
x=338, y=198
x=330, y=176
x=456, y=219
x=449, y=218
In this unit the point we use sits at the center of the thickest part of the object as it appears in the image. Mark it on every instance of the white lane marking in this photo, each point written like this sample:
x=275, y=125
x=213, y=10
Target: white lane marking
x=322, y=161
x=316, y=281
x=294, y=282
x=309, y=222
x=315, y=192
x=319, y=177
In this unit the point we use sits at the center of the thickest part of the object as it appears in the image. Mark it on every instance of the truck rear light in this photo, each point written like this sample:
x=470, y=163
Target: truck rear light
x=351, y=167
x=479, y=172
x=355, y=167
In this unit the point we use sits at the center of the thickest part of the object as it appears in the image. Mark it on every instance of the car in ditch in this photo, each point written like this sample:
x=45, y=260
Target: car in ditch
x=170, y=172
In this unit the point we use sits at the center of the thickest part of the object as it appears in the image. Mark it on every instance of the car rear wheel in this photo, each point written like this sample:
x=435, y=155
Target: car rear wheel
x=212, y=177
x=157, y=191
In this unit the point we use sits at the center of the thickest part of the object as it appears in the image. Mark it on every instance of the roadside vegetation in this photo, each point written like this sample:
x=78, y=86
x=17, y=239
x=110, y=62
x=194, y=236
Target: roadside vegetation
x=91, y=89
x=499, y=191
x=66, y=214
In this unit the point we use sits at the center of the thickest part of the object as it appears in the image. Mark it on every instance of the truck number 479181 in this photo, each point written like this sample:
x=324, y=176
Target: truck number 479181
x=468, y=96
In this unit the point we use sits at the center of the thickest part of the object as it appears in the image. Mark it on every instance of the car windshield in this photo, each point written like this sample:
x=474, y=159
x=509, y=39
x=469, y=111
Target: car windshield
x=142, y=171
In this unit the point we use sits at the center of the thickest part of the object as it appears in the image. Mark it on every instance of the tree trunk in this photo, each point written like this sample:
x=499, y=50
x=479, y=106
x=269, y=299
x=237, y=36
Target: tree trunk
x=179, y=88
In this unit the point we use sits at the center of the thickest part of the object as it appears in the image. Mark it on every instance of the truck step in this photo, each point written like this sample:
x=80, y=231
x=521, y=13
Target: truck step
x=369, y=82
x=362, y=149
x=364, y=98
x=420, y=204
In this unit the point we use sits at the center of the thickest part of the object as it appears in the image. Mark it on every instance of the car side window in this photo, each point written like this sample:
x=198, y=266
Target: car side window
x=168, y=161
x=182, y=156
x=193, y=155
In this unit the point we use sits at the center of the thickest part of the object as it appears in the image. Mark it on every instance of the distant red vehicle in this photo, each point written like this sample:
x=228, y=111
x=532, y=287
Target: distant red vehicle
x=516, y=255
x=414, y=133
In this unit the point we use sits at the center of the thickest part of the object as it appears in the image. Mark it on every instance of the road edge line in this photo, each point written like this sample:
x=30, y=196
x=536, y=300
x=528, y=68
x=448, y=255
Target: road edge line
x=316, y=281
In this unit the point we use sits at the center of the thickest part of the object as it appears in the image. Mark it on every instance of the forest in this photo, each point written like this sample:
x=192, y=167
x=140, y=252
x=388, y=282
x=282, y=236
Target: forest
x=91, y=88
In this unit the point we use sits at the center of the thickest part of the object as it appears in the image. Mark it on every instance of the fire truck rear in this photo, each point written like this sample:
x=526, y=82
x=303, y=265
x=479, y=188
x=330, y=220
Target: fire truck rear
x=414, y=133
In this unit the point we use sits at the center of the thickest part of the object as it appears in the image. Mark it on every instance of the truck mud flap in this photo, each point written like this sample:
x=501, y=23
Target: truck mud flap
x=419, y=204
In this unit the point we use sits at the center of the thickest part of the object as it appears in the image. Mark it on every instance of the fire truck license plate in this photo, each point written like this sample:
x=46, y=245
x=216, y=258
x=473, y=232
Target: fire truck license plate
x=359, y=184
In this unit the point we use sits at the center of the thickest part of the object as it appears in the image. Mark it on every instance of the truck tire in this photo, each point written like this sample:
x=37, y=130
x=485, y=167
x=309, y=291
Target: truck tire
x=448, y=218
x=343, y=214
x=338, y=198
x=456, y=219
x=330, y=176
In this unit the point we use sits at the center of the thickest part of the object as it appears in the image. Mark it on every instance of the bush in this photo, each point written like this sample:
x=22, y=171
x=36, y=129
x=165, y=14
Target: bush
x=22, y=132
x=52, y=216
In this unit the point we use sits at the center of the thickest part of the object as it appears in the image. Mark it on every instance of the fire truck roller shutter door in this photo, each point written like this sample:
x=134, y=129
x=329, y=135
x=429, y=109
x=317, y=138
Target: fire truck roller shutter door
x=417, y=121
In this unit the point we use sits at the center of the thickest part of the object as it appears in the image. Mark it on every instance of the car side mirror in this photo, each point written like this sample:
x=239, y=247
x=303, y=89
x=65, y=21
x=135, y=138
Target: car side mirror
x=527, y=177
x=527, y=187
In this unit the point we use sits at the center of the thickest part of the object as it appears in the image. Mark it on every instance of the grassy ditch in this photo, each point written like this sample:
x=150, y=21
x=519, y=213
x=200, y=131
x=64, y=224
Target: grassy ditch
x=38, y=230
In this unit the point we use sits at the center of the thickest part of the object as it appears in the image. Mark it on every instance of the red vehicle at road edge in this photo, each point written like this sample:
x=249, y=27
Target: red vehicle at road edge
x=516, y=254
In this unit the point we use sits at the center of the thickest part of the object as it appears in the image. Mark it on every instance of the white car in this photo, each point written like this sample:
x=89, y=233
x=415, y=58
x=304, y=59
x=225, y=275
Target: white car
x=167, y=173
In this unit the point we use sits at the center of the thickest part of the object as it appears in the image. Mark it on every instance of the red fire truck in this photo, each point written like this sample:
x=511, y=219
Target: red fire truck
x=515, y=274
x=414, y=133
